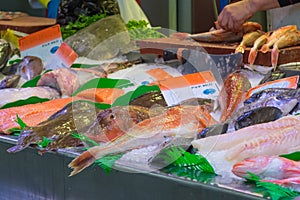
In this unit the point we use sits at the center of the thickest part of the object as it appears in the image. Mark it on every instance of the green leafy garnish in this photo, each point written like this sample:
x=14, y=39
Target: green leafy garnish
x=85, y=139
x=107, y=162
x=78, y=65
x=129, y=96
x=21, y=123
x=292, y=156
x=140, y=30
x=104, y=83
x=272, y=190
x=44, y=143
x=82, y=22
x=30, y=100
x=31, y=83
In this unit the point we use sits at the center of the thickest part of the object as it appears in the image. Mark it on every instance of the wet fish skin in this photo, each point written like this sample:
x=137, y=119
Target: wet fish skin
x=177, y=121
x=5, y=52
x=290, y=38
x=9, y=81
x=75, y=117
x=232, y=94
x=248, y=40
x=267, y=167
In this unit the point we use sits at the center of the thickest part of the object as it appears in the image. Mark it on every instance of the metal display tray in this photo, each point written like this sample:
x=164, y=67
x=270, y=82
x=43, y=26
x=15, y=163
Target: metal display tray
x=28, y=175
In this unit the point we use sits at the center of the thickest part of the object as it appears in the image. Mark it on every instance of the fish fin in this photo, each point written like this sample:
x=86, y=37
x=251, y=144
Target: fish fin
x=265, y=48
x=81, y=162
x=25, y=139
x=240, y=48
x=252, y=56
x=274, y=57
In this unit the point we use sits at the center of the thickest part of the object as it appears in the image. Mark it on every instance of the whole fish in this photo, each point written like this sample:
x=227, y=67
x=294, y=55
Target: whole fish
x=149, y=99
x=66, y=80
x=226, y=141
x=276, y=35
x=259, y=42
x=5, y=52
x=75, y=117
x=288, y=39
x=248, y=40
x=232, y=94
x=221, y=35
x=9, y=81
x=179, y=121
x=116, y=66
x=116, y=121
x=267, y=167
x=28, y=68
x=31, y=114
x=264, y=94
x=10, y=95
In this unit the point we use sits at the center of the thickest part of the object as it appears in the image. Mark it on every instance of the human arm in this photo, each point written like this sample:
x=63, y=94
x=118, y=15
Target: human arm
x=234, y=15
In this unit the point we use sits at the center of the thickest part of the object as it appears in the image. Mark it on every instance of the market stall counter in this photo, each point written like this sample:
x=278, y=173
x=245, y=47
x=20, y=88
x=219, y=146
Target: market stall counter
x=28, y=175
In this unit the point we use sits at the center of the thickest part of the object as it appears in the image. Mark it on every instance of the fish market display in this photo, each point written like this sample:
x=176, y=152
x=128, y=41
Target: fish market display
x=14, y=94
x=258, y=43
x=65, y=80
x=101, y=95
x=291, y=38
x=232, y=94
x=5, y=52
x=248, y=40
x=267, y=167
x=176, y=122
x=31, y=114
x=9, y=81
x=28, y=68
x=272, y=138
x=112, y=123
x=276, y=35
x=221, y=35
x=75, y=117
x=102, y=40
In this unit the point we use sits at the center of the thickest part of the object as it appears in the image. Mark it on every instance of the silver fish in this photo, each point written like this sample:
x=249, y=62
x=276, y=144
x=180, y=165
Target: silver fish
x=9, y=81
x=5, y=52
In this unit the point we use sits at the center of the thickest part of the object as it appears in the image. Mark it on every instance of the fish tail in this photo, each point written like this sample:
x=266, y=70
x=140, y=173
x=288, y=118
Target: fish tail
x=265, y=48
x=25, y=139
x=252, y=56
x=81, y=162
x=240, y=49
x=274, y=57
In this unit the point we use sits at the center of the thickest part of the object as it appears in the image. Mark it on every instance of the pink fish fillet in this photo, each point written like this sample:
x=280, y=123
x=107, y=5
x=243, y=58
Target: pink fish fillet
x=267, y=166
x=281, y=141
x=226, y=141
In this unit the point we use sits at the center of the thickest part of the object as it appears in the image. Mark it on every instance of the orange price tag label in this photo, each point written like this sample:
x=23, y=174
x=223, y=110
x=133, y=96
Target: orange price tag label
x=42, y=43
x=289, y=82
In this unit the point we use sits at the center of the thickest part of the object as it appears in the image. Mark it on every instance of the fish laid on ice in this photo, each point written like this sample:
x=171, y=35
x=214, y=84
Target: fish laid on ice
x=101, y=95
x=75, y=117
x=267, y=167
x=113, y=122
x=232, y=94
x=31, y=114
x=221, y=35
x=28, y=68
x=248, y=40
x=276, y=34
x=9, y=81
x=226, y=141
x=286, y=40
x=179, y=121
x=14, y=94
x=259, y=42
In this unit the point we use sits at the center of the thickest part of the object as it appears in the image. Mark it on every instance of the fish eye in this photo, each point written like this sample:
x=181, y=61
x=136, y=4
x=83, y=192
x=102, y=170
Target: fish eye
x=112, y=116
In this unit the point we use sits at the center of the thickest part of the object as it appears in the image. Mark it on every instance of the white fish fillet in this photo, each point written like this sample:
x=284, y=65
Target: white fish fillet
x=226, y=141
x=14, y=94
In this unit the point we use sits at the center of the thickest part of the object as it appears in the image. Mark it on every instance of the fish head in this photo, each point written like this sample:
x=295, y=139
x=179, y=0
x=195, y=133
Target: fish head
x=5, y=52
x=284, y=102
x=30, y=67
x=256, y=165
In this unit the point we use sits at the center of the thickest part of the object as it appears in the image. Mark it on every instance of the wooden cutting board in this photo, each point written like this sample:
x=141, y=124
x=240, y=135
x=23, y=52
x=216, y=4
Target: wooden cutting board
x=27, y=24
x=156, y=46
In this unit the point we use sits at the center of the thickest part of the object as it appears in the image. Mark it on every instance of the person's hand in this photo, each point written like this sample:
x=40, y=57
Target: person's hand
x=234, y=15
